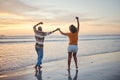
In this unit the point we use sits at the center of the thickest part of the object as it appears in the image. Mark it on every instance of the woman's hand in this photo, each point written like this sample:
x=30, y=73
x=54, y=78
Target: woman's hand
x=77, y=18
x=77, y=23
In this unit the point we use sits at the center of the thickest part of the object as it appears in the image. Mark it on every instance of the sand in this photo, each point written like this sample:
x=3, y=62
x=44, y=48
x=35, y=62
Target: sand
x=95, y=67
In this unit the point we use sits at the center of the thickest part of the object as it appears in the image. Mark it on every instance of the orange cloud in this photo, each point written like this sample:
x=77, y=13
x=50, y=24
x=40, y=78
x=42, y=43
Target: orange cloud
x=14, y=6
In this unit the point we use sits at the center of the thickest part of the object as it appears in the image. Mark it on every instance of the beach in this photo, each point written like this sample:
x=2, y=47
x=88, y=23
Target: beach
x=45, y=34
x=98, y=58
x=96, y=67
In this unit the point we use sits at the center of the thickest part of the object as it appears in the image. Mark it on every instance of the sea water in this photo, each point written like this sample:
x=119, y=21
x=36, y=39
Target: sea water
x=19, y=51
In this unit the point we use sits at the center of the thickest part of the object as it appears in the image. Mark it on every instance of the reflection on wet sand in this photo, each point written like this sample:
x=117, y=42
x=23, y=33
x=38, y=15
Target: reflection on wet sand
x=38, y=75
x=69, y=75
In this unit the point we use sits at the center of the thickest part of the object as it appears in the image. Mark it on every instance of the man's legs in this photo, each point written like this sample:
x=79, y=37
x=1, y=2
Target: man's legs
x=40, y=57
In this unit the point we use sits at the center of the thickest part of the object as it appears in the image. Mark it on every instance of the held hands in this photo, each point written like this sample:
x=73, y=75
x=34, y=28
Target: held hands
x=58, y=29
x=55, y=30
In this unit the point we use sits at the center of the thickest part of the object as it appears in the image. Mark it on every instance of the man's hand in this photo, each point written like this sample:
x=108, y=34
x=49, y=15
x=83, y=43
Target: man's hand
x=40, y=23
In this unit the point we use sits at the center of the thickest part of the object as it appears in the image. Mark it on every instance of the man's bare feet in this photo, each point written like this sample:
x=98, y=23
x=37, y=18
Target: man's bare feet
x=35, y=68
x=39, y=68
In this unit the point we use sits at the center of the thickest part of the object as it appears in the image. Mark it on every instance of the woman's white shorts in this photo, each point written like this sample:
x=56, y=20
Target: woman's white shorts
x=73, y=48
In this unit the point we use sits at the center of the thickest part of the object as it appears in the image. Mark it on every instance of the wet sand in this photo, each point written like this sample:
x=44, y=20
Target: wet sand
x=95, y=67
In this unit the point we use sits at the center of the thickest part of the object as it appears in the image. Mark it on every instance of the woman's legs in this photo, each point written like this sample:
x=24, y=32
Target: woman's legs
x=69, y=59
x=75, y=59
x=72, y=49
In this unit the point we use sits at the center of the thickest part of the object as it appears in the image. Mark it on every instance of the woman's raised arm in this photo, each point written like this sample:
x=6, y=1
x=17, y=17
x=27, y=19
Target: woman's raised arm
x=77, y=23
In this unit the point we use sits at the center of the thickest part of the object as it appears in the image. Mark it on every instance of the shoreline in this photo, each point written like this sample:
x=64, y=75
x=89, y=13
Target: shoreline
x=95, y=67
x=52, y=60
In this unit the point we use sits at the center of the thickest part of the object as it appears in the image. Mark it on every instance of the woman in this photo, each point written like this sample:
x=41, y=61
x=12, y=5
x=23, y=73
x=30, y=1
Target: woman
x=73, y=42
x=39, y=36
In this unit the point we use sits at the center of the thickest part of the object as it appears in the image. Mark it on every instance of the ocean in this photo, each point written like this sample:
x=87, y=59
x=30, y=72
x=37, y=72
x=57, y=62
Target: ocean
x=19, y=51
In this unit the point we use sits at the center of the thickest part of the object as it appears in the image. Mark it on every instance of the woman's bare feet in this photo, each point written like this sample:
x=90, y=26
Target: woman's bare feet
x=77, y=68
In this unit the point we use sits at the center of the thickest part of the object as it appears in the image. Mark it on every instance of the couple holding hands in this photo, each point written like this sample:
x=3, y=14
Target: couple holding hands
x=72, y=48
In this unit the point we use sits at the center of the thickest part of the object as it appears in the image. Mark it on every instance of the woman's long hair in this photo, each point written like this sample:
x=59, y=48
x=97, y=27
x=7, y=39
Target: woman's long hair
x=72, y=28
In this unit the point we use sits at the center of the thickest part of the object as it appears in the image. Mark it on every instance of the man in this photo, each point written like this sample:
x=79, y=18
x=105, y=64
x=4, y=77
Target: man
x=39, y=36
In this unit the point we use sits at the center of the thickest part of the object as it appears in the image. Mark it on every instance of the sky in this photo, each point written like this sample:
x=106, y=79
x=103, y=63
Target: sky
x=97, y=17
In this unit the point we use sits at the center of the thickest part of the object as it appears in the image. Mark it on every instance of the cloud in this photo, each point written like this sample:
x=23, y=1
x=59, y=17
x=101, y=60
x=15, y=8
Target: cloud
x=107, y=25
x=17, y=21
x=61, y=18
x=116, y=21
x=15, y=7
x=68, y=17
x=22, y=8
x=18, y=12
x=14, y=12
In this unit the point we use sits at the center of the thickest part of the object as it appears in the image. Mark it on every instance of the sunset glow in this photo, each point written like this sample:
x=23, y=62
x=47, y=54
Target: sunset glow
x=17, y=17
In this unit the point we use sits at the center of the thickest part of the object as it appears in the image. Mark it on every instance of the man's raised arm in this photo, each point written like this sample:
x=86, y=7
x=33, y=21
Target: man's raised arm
x=34, y=28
